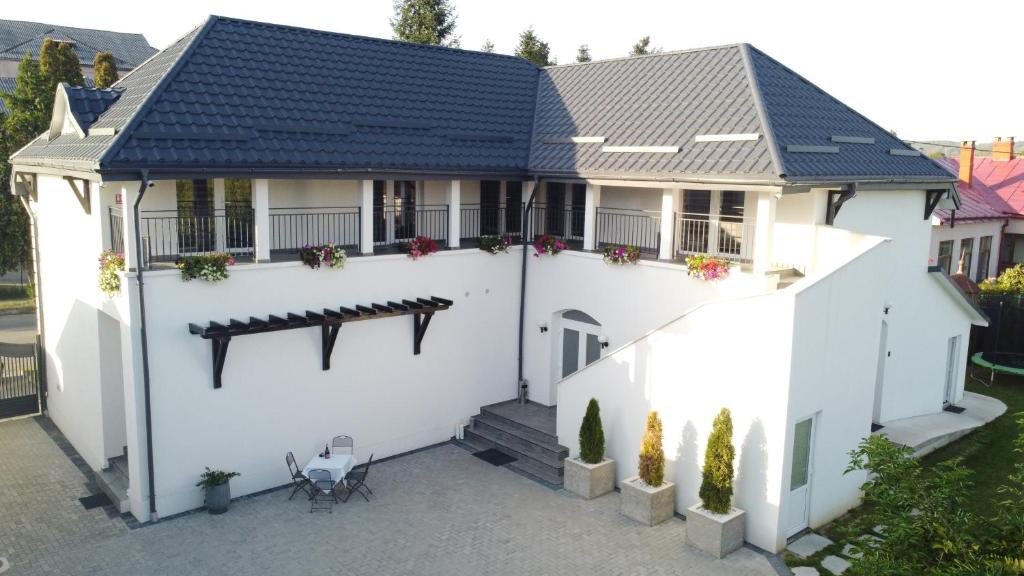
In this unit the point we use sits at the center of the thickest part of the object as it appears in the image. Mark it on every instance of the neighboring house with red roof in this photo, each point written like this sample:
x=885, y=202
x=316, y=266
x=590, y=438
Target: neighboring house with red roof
x=987, y=233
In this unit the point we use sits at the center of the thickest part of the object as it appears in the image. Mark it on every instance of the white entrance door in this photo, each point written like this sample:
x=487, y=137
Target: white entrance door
x=580, y=345
x=952, y=357
x=801, y=470
x=883, y=353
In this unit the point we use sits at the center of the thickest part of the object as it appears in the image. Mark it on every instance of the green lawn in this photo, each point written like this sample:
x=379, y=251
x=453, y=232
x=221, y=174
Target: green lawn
x=15, y=296
x=988, y=452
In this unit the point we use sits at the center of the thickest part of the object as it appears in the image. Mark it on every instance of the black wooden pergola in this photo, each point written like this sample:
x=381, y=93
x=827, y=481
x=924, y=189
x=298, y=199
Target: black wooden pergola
x=329, y=320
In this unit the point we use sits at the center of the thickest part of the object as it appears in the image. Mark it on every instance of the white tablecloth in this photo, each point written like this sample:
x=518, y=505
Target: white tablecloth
x=338, y=465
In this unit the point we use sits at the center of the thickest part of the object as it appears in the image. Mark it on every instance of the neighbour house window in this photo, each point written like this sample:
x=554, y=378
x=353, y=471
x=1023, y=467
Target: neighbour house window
x=513, y=206
x=966, y=256
x=984, y=256
x=945, y=255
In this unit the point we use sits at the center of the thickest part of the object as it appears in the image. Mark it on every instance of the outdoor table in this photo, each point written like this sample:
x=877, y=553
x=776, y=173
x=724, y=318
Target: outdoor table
x=338, y=465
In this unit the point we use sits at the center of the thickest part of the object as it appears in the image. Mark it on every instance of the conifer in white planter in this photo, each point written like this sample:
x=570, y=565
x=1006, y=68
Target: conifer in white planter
x=591, y=475
x=648, y=498
x=715, y=525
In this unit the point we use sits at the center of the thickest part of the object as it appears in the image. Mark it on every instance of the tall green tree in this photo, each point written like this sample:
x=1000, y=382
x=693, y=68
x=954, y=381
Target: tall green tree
x=583, y=54
x=104, y=70
x=651, y=468
x=716, y=478
x=592, y=435
x=532, y=48
x=488, y=46
x=425, y=22
x=643, y=47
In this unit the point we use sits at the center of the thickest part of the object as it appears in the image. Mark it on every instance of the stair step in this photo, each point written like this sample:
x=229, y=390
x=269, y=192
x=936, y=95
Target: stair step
x=542, y=436
x=498, y=432
x=115, y=486
x=543, y=470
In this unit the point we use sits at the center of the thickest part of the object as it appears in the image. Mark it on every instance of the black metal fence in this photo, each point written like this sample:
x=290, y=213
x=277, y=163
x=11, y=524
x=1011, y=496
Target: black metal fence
x=397, y=225
x=1005, y=333
x=293, y=228
x=170, y=234
x=562, y=222
x=478, y=220
x=19, y=380
x=640, y=228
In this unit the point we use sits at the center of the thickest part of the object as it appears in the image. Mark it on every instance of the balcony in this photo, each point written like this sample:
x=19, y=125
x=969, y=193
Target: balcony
x=727, y=237
x=293, y=228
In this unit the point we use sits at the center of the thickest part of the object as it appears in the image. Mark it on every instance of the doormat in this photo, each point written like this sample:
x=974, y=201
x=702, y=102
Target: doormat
x=95, y=501
x=493, y=456
x=954, y=409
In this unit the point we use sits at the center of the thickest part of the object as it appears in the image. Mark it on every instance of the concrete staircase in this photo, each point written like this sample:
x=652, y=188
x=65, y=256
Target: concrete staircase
x=113, y=481
x=525, y=432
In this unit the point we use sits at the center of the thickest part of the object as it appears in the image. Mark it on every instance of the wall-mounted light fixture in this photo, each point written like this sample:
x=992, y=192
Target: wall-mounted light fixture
x=543, y=327
x=603, y=341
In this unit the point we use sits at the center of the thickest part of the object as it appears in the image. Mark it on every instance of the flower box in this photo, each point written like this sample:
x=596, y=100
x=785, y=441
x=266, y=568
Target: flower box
x=716, y=534
x=210, y=267
x=548, y=244
x=495, y=244
x=621, y=255
x=648, y=504
x=330, y=255
x=422, y=246
x=706, y=267
x=589, y=480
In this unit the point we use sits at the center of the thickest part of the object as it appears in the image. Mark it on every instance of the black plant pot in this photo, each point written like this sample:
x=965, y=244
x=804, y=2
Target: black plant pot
x=218, y=498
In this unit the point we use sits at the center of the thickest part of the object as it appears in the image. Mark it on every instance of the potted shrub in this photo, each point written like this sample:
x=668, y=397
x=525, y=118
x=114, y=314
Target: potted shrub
x=111, y=265
x=548, y=244
x=648, y=498
x=621, y=255
x=495, y=244
x=714, y=525
x=210, y=267
x=591, y=475
x=422, y=246
x=706, y=268
x=217, y=485
x=330, y=255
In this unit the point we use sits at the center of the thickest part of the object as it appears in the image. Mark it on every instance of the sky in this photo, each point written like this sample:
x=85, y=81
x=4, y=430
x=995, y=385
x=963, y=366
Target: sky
x=937, y=69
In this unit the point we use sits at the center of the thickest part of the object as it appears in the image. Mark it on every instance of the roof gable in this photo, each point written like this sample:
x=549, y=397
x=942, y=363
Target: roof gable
x=75, y=109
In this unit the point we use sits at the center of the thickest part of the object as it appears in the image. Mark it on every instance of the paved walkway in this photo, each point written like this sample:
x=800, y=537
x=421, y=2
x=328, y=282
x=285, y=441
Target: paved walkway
x=440, y=511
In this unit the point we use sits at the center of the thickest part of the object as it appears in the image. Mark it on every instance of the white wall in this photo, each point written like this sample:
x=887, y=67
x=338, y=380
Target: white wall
x=923, y=315
x=276, y=398
x=627, y=301
x=70, y=243
x=975, y=230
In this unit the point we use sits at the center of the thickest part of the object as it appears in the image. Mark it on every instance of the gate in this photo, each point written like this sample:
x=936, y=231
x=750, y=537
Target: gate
x=19, y=380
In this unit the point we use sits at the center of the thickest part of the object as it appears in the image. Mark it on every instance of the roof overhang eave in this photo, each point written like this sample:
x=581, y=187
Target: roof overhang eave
x=123, y=173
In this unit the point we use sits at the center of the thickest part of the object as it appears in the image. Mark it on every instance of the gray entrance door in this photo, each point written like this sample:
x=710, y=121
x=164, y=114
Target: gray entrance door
x=19, y=380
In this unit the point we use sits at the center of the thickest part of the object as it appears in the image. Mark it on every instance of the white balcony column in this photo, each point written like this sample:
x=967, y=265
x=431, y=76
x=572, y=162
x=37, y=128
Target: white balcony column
x=261, y=210
x=593, y=200
x=453, y=195
x=219, y=208
x=366, y=216
x=129, y=192
x=763, y=232
x=666, y=247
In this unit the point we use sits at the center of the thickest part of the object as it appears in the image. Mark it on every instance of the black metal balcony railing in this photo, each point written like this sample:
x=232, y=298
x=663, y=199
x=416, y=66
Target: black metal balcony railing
x=562, y=222
x=478, y=220
x=293, y=228
x=618, y=226
x=729, y=237
x=170, y=234
x=397, y=225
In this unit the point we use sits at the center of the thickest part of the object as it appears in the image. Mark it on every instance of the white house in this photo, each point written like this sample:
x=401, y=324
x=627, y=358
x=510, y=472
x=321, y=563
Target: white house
x=985, y=235
x=830, y=320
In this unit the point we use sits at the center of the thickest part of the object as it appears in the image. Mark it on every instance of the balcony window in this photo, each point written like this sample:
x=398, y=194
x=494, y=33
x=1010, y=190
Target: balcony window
x=966, y=256
x=984, y=257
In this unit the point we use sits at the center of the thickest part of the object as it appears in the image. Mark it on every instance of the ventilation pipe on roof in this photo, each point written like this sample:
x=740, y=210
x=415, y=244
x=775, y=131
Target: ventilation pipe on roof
x=522, y=385
x=144, y=184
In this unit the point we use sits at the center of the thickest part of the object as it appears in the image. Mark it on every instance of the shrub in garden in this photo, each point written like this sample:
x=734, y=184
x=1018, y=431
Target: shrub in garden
x=716, y=481
x=592, y=435
x=652, y=454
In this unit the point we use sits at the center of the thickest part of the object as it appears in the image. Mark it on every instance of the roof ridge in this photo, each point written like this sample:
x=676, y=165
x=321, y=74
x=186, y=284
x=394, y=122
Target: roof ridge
x=642, y=56
x=198, y=33
x=374, y=38
x=52, y=26
x=762, y=114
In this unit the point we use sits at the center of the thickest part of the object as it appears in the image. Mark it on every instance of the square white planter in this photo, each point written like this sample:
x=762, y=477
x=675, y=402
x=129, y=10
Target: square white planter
x=716, y=534
x=589, y=480
x=645, y=504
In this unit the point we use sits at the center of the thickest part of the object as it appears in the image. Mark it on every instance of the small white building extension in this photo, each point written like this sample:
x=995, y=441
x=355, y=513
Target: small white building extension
x=830, y=320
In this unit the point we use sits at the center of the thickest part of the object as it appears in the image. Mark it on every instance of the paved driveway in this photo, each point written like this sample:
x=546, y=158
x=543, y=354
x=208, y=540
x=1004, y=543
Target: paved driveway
x=439, y=511
x=18, y=328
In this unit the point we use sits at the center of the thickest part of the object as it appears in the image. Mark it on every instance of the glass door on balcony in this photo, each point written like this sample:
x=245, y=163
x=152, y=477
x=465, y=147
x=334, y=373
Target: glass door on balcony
x=195, y=222
x=694, y=225
x=577, y=212
x=490, y=207
x=730, y=225
x=238, y=217
x=405, y=210
x=554, y=206
x=513, y=207
x=380, y=201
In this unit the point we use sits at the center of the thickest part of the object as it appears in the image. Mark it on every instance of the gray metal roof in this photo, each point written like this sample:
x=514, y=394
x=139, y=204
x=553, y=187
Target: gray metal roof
x=17, y=38
x=239, y=97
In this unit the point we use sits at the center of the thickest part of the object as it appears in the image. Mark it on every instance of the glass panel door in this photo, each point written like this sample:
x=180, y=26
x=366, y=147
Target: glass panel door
x=695, y=227
x=405, y=209
x=238, y=216
x=554, y=219
x=570, y=351
x=380, y=200
x=196, y=231
x=490, y=207
x=730, y=227
x=801, y=455
x=578, y=210
x=513, y=206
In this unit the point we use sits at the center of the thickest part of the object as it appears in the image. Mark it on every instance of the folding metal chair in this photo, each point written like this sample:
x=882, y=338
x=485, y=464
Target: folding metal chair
x=344, y=443
x=356, y=481
x=299, y=481
x=323, y=490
